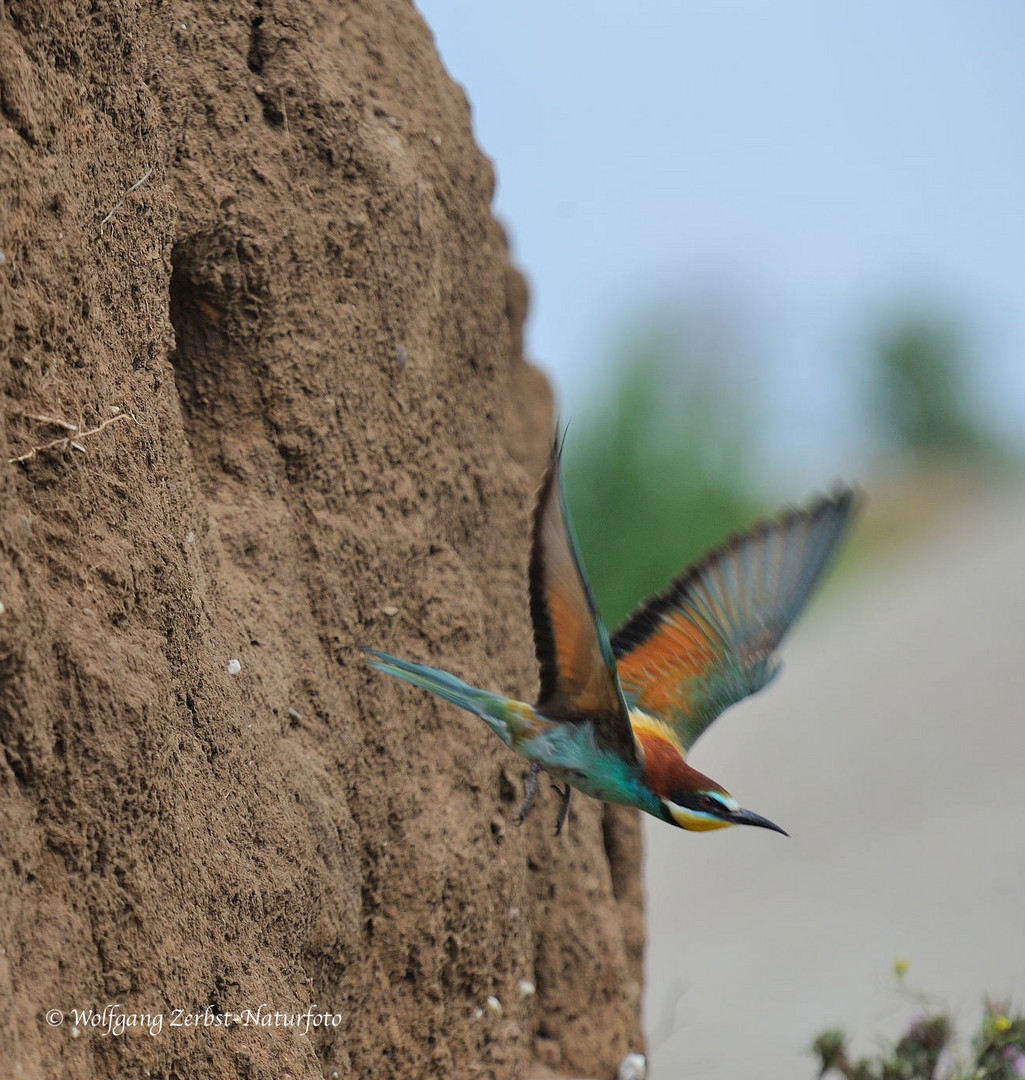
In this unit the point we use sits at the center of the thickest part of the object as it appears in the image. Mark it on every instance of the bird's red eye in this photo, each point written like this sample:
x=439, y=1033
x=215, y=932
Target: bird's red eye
x=708, y=803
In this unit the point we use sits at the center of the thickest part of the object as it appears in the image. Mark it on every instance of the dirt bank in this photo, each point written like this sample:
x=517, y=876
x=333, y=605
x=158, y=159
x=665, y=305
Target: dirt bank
x=248, y=254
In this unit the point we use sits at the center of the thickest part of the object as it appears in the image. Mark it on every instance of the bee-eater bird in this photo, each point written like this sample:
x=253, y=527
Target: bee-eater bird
x=617, y=718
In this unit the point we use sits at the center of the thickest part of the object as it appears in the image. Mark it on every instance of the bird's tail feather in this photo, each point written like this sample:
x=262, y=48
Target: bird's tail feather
x=500, y=713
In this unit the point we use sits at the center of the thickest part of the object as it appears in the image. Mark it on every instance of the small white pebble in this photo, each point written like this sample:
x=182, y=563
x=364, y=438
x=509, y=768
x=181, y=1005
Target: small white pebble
x=115, y=409
x=633, y=1067
x=294, y=714
x=190, y=537
x=2, y=608
x=234, y=667
x=390, y=611
x=3, y=258
x=494, y=1006
x=514, y=914
x=74, y=1031
x=478, y=1013
x=526, y=989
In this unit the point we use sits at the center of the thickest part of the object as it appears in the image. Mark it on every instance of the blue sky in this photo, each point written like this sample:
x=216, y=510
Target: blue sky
x=802, y=165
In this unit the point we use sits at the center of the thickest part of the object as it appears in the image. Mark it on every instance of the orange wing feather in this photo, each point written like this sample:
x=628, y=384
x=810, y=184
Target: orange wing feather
x=667, y=666
x=709, y=639
x=578, y=670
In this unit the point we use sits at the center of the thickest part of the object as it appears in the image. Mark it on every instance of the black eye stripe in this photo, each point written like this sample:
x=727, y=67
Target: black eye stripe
x=702, y=802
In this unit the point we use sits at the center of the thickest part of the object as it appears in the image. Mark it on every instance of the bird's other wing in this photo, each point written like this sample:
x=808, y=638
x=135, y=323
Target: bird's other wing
x=578, y=669
x=708, y=640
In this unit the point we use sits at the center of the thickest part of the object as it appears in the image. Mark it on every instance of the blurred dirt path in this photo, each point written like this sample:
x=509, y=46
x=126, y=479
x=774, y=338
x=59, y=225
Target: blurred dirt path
x=893, y=749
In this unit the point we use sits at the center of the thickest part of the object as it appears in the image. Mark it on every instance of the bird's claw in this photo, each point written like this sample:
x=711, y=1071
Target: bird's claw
x=529, y=791
x=565, y=793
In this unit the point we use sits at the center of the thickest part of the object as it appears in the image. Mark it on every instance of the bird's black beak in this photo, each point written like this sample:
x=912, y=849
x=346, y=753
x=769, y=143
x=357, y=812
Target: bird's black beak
x=749, y=817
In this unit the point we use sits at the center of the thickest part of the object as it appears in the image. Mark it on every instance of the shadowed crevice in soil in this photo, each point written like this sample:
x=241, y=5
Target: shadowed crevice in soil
x=218, y=300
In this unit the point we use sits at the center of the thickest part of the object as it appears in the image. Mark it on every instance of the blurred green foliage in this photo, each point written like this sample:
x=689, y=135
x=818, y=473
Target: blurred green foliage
x=660, y=473
x=919, y=401
x=664, y=467
x=997, y=1052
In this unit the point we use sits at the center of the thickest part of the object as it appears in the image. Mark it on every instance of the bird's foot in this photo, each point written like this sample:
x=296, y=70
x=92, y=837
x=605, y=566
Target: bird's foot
x=565, y=793
x=529, y=791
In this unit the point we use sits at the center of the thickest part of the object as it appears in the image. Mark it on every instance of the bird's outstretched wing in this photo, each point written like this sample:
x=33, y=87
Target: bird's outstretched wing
x=708, y=640
x=578, y=669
